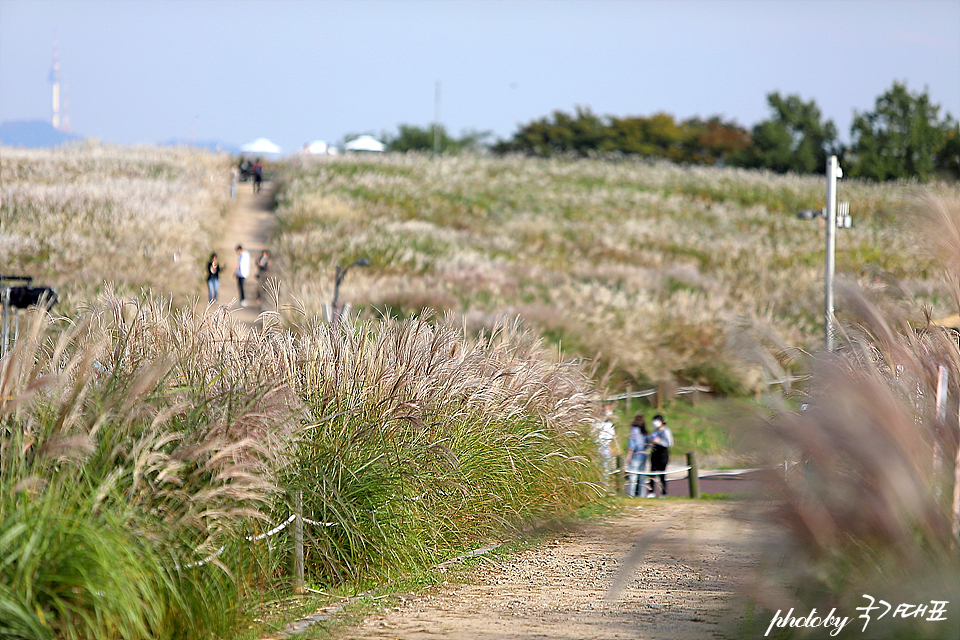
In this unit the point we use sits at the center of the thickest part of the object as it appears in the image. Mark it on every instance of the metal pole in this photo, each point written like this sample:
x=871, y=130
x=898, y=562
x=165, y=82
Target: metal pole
x=833, y=172
x=341, y=273
x=335, y=307
x=943, y=379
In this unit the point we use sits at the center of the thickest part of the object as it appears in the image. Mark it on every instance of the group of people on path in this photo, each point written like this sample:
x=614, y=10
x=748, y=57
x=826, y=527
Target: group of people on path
x=246, y=168
x=241, y=272
x=642, y=445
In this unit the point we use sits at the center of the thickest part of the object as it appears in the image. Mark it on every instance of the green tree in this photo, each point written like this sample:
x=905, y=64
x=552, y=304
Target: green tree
x=902, y=137
x=583, y=133
x=794, y=139
x=657, y=136
x=413, y=138
x=948, y=160
x=713, y=141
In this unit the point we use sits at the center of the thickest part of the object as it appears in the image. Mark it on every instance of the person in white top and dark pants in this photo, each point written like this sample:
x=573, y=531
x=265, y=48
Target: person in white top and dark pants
x=242, y=272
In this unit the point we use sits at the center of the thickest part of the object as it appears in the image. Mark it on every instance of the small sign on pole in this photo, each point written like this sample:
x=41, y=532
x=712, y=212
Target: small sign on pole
x=843, y=215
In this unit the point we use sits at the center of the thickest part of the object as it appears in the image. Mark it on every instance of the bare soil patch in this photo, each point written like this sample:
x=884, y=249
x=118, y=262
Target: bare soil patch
x=665, y=569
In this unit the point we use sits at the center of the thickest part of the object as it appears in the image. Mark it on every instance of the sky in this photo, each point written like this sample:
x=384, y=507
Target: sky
x=147, y=71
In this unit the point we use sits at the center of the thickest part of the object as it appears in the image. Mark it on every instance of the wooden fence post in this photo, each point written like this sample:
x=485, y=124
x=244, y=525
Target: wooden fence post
x=298, y=543
x=618, y=477
x=693, y=477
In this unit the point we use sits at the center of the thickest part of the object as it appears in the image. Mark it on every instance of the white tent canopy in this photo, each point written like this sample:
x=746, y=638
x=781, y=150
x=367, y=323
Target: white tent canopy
x=317, y=148
x=260, y=145
x=364, y=143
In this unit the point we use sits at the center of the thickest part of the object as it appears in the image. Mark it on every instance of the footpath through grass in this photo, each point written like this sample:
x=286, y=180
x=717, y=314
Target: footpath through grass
x=354, y=602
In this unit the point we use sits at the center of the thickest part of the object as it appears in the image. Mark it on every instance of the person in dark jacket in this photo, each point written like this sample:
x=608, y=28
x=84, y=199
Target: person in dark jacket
x=213, y=278
x=257, y=175
x=660, y=441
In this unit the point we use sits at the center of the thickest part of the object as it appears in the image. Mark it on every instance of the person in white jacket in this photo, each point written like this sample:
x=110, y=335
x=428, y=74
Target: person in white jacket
x=242, y=272
x=605, y=434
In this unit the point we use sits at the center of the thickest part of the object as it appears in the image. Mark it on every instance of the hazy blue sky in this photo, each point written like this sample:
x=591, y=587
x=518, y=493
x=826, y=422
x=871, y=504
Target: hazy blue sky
x=295, y=71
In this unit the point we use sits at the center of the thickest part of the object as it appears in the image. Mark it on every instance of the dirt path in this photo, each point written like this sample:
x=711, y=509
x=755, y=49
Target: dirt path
x=687, y=562
x=250, y=223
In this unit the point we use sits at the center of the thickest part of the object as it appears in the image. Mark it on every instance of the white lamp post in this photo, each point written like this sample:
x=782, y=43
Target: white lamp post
x=830, y=213
x=834, y=172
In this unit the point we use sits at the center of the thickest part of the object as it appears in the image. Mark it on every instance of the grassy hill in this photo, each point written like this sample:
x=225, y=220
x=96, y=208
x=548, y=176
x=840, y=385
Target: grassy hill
x=78, y=216
x=658, y=271
x=659, y=274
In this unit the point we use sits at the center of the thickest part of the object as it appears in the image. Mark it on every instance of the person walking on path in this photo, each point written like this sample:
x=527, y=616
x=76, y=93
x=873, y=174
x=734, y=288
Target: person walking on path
x=660, y=440
x=257, y=175
x=637, y=447
x=606, y=437
x=263, y=268
x=242, y=272
x=213, y=278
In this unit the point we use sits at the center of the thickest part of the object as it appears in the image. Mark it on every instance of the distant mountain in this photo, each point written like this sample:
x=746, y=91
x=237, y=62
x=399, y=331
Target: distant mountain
x=209, y=145
x=34, y=134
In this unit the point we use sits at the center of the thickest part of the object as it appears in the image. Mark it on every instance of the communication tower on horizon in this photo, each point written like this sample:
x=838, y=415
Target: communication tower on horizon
x=55, y=80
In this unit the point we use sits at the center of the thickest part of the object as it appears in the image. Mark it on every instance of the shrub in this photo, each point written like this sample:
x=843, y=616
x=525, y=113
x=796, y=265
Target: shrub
x=423, y=439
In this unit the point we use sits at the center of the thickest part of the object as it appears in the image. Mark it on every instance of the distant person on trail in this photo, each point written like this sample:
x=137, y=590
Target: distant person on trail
x=263, y=267
x=242, y=272
x=637, y=448
x=606, y=435
x=257, y=175
x=213, y=278
x=660, y=440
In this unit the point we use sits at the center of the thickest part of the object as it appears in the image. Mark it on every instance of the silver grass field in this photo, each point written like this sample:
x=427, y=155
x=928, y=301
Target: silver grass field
x=143, y=441
x=650, y=269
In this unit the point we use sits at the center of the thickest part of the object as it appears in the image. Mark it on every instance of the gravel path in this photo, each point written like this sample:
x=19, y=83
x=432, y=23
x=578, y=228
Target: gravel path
x=665, y=570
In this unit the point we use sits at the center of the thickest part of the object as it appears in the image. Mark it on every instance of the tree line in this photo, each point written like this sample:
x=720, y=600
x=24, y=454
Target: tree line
x=903, y=137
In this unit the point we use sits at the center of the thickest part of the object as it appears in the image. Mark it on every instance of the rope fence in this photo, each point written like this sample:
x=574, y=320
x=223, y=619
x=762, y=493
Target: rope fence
x=665, y=472
x=283, y=525
x=298, y=519
x=630, y=395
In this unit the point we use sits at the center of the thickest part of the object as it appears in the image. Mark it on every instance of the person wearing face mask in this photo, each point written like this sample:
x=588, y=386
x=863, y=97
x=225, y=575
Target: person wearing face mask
x=660, y=440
